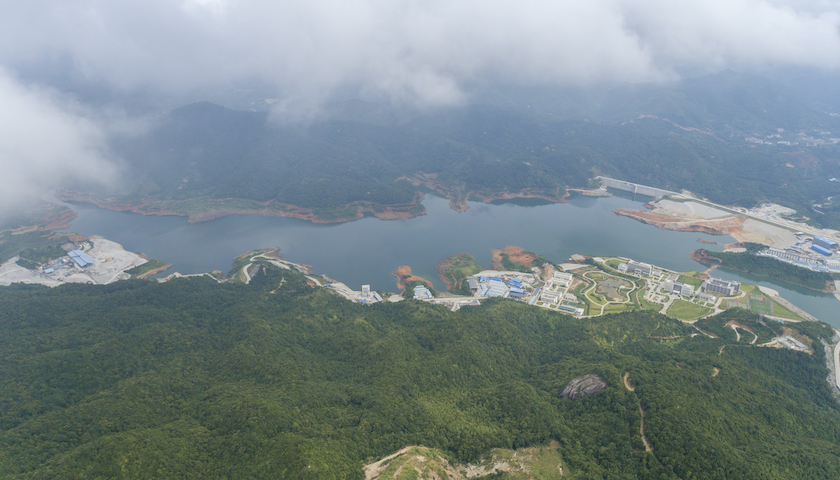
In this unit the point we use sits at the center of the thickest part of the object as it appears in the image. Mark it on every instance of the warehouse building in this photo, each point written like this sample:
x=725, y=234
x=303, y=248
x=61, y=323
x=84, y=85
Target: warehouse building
x=496, y=288
x=821, y=250
x=81, y=258
x=421, y=292
x=826, y=243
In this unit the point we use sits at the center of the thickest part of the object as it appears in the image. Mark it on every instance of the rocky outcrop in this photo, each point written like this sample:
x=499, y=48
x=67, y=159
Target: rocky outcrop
x=583, y=386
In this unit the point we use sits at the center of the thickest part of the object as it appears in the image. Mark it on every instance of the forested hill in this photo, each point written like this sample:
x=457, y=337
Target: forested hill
x=357, y=153
x=193, y=379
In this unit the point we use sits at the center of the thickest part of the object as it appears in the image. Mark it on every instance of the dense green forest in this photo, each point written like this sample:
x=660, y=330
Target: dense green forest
x=194, y=379
x=357, y=154
x=766, y=267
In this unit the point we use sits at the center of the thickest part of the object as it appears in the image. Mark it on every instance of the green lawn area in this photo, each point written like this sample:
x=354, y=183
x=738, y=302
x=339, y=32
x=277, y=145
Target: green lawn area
x=780, y=311
x=688, y=279
x=644, y=303
x=141, y=269
x=618, y=307
x=683, y=310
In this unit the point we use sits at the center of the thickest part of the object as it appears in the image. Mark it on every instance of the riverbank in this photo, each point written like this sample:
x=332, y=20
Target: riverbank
x=205, y=209
x=703, y=256
x=199, y=210
x=455, y=269
x=507, y=258
x=405, y=278
x=732, y=226
x=458, y=196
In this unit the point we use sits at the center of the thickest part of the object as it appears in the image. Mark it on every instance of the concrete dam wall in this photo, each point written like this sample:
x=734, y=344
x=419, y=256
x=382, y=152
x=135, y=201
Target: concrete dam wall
x=634, y=187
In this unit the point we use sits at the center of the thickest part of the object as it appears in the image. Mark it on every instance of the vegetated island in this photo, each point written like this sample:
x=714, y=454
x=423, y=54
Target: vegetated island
x=766, y=267
x=454, y=271
x=516, y=259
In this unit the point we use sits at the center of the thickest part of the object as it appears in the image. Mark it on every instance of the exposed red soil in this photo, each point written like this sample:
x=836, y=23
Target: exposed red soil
x=516, y=254
x=707, y=242
x=404, y=277
x=702, y=257
x=52, y=217
x=802, y=159
x=730, y=246
x=724, y=226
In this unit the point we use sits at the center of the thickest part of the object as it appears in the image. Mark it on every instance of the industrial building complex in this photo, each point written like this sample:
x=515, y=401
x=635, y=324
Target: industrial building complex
x=817, y=253
x=97, y=261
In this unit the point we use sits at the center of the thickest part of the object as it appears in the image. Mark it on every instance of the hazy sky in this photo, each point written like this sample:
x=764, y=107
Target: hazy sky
x=419, y=53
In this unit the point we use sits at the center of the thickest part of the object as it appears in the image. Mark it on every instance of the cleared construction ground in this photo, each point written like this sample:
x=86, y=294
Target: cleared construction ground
x=110, y=261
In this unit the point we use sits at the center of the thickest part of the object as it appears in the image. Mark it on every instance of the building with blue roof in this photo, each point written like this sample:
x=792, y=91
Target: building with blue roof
x=81, y=258
x=825, y=242
x=821, y=250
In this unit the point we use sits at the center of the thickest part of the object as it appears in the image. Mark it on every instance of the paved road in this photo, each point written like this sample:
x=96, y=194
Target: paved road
x=837, y=364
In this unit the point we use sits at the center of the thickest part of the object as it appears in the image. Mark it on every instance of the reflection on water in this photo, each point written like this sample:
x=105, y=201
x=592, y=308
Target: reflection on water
x=367, y=250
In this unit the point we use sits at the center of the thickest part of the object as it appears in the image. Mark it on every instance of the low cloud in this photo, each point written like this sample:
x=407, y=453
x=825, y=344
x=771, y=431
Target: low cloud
x=45, y=142
x=421, y=53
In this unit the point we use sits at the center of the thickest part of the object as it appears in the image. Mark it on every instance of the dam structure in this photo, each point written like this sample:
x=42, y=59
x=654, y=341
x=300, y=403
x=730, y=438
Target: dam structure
x=634, y=187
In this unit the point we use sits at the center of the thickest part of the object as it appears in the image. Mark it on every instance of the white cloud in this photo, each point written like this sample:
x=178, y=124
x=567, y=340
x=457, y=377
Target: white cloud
x=421, y=52
x=44, y=143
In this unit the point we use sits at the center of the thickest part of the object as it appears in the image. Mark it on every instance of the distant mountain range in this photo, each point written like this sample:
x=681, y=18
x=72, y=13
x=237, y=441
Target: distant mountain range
x=735, y=138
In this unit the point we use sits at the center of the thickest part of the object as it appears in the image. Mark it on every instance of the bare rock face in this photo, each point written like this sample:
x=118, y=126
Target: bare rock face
x=583, y=386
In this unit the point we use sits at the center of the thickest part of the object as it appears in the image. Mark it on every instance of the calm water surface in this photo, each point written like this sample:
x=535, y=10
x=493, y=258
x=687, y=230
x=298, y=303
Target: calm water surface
x=366, y=251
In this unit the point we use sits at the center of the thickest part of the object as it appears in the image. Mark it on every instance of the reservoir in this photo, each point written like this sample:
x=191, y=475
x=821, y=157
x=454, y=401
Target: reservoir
x=368, y=250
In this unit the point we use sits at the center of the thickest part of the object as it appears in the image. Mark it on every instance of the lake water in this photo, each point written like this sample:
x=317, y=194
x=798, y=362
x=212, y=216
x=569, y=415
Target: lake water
x=366, y=251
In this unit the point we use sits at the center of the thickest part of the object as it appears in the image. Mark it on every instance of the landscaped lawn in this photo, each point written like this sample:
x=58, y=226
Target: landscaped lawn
x=683, y=310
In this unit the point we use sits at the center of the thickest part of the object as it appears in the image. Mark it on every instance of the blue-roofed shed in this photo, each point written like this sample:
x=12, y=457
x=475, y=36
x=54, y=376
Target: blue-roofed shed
x=824, y=242
x=821, y=250
x=81, y=258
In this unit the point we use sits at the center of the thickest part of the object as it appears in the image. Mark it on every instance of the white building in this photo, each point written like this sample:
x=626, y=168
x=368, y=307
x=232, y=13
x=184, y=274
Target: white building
x=639, y=268
x=719, y=285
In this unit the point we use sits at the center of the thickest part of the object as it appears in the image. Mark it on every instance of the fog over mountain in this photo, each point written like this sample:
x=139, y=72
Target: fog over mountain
x=416, y=54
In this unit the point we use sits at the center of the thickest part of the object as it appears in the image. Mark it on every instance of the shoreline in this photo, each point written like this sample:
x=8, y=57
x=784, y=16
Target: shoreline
x=218, y=208
x=700, y=259
x=404, y=276
x=211, y=209
x=459, y=196
x=731, y=226
x=515, y=254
